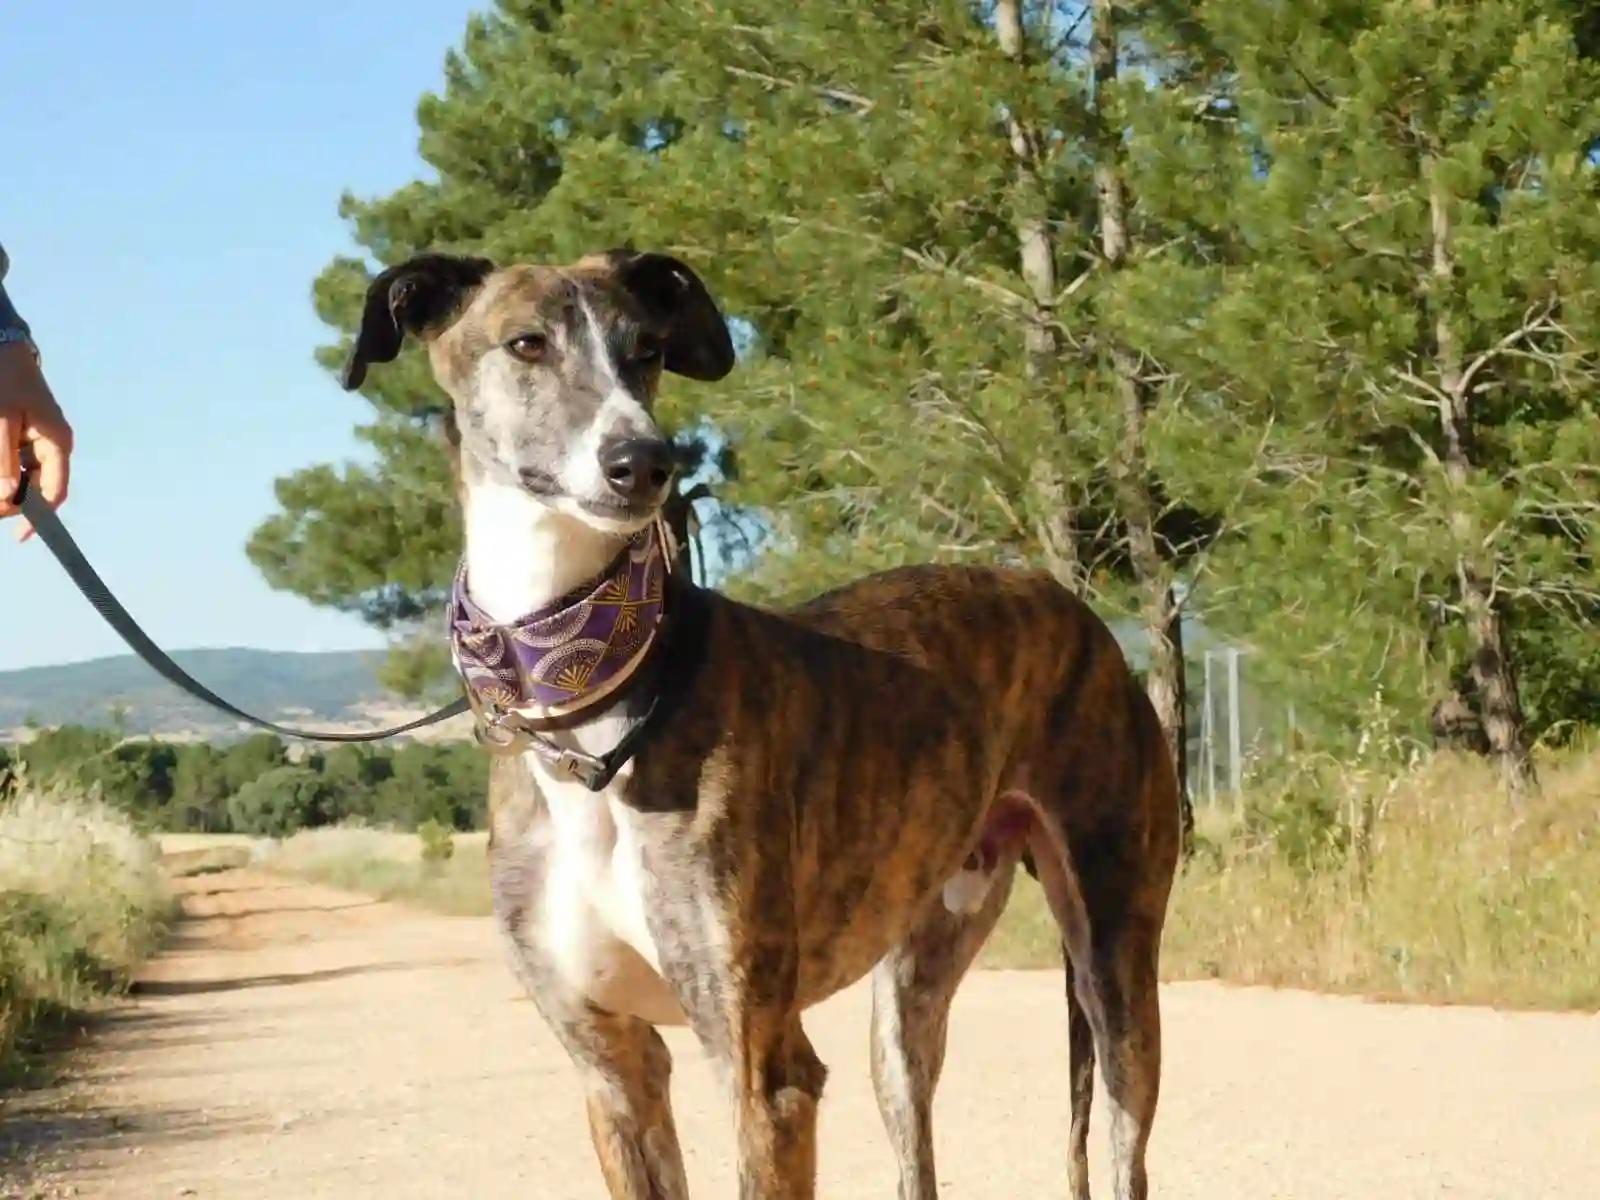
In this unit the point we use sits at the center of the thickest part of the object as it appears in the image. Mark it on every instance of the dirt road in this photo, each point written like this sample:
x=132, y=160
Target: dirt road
x=298, y=1043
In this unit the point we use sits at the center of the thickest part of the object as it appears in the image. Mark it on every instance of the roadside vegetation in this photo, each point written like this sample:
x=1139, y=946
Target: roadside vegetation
x=259, y=786
x=1366, y=867
x=83, y=901
x=433, y=869
x=1419, y=884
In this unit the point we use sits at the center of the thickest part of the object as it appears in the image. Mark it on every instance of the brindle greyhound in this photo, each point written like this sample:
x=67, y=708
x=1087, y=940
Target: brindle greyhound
x=711, y=813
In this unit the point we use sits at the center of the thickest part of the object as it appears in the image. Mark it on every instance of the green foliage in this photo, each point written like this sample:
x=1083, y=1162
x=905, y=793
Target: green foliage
x=44, y=954
x=248, y=760
x=1360, y=127
x=70, y=751
x=278, y=802
x=845, y=181
x=82, y=901
x=252, y=786
x=438, y=841
x=1339, y=215
x=200, y=789
x=444, y=782
x=1313, y=810
x=1558, y=660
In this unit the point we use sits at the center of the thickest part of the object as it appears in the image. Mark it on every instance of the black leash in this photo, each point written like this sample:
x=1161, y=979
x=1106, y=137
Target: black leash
x=54, y=535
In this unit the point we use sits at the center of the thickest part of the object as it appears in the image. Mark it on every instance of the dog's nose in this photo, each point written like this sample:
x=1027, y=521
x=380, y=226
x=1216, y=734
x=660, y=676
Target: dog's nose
x=637, y=468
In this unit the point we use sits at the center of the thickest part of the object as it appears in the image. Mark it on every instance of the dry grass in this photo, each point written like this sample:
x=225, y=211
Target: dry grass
x=1449, y=896
x=1454, y=897
x=388, y=865
x=1424, y=886
x=172, y=844
x=83, y=900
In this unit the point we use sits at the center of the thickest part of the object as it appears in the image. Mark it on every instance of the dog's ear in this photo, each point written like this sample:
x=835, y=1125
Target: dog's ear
x=413, y=297
x=698, y=345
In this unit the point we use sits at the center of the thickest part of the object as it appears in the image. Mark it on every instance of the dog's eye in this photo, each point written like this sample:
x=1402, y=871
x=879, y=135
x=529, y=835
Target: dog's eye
x=529, y=347
x=646, y=353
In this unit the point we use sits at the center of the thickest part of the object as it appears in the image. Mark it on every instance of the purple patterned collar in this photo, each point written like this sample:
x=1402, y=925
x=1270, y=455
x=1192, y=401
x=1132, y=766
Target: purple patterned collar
x=570, y=653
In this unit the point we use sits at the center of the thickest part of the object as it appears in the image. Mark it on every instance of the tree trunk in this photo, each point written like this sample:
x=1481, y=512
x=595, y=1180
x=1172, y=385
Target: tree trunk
x=1493, y=673
x=1495, y=678
x=1456, y=725
x=1030, y=218
x=1163, y=616
x=1053, y=526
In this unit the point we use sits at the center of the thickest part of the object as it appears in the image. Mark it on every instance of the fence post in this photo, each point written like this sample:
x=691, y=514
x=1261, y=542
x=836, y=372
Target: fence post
x=1235, y=766
x=1208, y=735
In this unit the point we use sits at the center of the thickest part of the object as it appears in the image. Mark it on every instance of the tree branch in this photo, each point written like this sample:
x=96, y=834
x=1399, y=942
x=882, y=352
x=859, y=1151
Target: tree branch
x=1535, y=321
x=855, y=100
x=1012, y=301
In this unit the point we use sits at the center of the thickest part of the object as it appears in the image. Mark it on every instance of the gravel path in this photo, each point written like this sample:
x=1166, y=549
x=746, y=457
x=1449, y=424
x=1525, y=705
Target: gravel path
x=298, y=1043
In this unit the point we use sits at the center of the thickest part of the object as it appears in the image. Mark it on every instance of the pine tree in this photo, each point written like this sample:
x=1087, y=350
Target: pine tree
x=922, y=189
x=1410, y=350
x=1285, y=313
x=904, y=204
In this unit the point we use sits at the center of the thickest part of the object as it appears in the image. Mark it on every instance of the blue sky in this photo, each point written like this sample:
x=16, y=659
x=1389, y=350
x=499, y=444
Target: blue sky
x=169, y=182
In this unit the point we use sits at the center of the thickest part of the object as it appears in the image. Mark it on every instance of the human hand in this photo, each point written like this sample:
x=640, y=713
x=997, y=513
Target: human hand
x=30, y=417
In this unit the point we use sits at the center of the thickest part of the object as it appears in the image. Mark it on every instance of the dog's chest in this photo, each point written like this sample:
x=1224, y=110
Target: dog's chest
x=593, y=895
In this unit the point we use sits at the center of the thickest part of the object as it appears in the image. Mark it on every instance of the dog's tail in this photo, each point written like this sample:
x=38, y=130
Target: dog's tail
x=1152, y=746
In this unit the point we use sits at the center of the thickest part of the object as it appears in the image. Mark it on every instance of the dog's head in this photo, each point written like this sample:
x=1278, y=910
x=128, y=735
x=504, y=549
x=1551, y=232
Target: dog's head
x=553, y=370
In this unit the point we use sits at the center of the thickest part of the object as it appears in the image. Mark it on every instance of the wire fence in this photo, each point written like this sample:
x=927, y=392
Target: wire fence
x=1230, y=725
x=1232, y=722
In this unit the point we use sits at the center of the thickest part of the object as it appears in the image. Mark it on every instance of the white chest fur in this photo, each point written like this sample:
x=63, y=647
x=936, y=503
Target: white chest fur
x=593, y=896
x=593, y=889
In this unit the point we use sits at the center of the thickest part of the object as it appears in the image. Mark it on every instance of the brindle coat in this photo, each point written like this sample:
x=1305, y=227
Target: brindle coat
x=823, y=774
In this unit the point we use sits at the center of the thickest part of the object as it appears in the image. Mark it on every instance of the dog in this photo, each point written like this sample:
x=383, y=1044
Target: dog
x=712, y=814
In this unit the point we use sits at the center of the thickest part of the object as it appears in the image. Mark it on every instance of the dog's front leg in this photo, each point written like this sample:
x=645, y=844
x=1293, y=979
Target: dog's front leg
x=625, y=1068
x=778, y=1082
x=623, y=1064
x=745, y=1011
x=630, y=1111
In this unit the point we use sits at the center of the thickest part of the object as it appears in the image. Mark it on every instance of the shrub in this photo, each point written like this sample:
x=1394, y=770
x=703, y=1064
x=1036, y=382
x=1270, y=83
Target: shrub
x=438, y=841
x=389, y=866
x=277, y=803
x=82, y=901
x=1427, y=884
x=193, y=788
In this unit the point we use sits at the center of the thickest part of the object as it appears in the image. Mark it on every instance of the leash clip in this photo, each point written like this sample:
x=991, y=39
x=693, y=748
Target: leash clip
x=585, y=768
x=494, y=731
x=497, y=731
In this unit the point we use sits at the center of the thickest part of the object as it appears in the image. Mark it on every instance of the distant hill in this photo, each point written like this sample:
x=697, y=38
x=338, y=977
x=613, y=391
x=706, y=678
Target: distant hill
x=326, y=688
x=332, y=690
